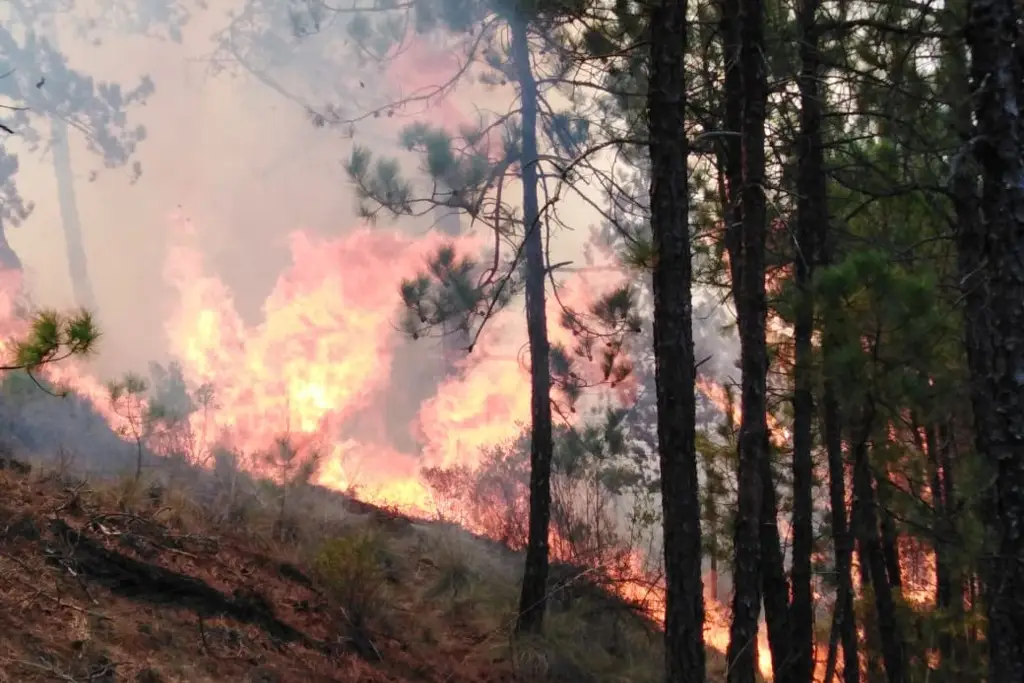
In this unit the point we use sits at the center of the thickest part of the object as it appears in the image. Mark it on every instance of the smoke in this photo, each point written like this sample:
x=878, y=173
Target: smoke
x=217, y=229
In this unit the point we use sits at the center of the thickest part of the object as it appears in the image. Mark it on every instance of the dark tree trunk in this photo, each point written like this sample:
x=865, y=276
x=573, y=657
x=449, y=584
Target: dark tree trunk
x=812, y=213
x=673, y=345
x=869, y=536
x=842, y=539
x=890, y=538
x=774, y=584
x=944, y=549
x=954, y=575
x=746, y=233
x=992, y=274
x=533, y=597
x=967, y=216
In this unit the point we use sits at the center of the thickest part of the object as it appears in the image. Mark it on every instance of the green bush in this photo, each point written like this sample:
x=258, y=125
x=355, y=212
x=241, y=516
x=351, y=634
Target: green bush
x=350, y=571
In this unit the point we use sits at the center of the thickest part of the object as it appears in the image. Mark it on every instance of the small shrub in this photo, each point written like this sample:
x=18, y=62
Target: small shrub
x=350, y=571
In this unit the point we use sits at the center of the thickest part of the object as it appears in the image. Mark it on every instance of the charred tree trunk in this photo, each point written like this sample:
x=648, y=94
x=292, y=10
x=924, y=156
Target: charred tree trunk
x=746, y=232
x=533, y=597
x=992, y=273
x=812, y=212
x=673, y=345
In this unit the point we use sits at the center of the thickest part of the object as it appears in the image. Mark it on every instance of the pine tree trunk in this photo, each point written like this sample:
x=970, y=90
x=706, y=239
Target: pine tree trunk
x=673, y=345
x=842, y=537
x=992, y=275
x=74, y=244
x=746, y=232
x=867, y=530
x=812, y=212
x=774, y=583
x=533, y=597
x=944, y=530
x=890, y=537
x=965, y=204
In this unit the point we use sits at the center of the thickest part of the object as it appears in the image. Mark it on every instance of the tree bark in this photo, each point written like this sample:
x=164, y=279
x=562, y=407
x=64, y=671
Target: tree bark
x=992, y=274
x=774, y=583
x=675, y=373
x=812, y=212
x=535, y=576
x=746, y=233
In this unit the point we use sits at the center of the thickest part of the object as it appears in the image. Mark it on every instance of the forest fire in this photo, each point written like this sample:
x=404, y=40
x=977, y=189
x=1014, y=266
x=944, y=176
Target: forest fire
x=326, y=348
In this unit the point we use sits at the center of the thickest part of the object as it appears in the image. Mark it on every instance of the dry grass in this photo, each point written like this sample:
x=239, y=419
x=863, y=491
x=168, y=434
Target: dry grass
x=137, y=581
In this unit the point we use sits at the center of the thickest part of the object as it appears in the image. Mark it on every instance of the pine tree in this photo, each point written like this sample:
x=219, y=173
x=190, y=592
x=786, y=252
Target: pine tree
x=547, y=151
x=993, y=277
x=673, y=342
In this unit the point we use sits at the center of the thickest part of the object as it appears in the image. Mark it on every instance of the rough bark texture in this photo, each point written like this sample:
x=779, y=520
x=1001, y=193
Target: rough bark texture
x=746, y=231
x=992, y=265
x=673, y=345
x=811, y=213
x=533, y=597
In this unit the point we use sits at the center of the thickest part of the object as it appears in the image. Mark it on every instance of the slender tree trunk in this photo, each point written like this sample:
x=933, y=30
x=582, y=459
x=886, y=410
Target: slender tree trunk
x=712, y=517
x=967, y=216
x=954, y=578
x=774, y=583
x=78, y=262
x=842, y=538
x=811, y=213
x=992, y=275
x=535, y=577
x=943, y=548
x=673, y=345
x=890, y=536
x=869, y=536
x=746, y=232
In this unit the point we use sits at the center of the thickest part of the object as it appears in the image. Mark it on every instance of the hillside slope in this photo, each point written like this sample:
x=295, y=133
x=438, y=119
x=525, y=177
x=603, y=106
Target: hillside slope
x=115, y=581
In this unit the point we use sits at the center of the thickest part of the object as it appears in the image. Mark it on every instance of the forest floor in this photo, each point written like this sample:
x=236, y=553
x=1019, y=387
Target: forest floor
x=117, y=581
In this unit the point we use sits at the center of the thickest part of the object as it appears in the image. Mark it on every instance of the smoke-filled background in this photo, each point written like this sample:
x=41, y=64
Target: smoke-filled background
x=173, y=181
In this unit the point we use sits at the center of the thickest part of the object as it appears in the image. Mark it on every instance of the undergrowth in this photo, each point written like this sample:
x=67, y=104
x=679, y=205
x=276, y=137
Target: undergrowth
x=369, y=595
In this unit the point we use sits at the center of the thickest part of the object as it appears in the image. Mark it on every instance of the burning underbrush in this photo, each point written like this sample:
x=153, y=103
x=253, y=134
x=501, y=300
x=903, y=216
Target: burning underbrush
x=392, y=478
